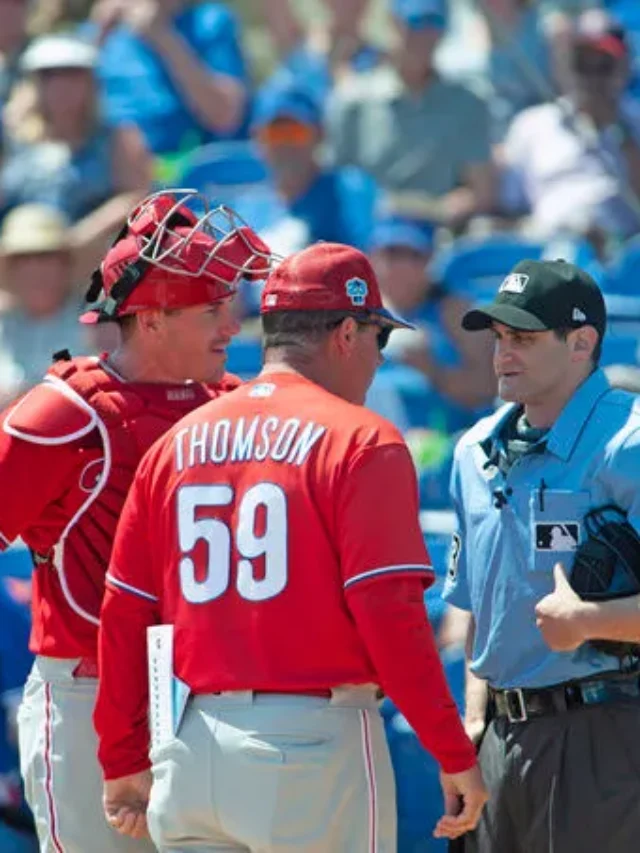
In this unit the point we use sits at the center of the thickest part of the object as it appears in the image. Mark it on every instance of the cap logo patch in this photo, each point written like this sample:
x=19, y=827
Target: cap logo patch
x=271, y=300
x=514, y=283
x=357, y=290
x=578, y=316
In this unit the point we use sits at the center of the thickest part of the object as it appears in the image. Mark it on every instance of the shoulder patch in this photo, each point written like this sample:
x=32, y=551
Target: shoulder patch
x=49, y=414
x=454, y=557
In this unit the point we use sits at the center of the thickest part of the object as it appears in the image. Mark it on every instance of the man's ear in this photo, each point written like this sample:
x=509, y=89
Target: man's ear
x=345, y=335
x=585, y=340
x=149, y=321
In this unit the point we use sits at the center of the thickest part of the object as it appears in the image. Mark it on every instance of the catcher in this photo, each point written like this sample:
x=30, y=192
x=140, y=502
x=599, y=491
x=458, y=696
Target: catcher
x=68, y=452
x=546, y=559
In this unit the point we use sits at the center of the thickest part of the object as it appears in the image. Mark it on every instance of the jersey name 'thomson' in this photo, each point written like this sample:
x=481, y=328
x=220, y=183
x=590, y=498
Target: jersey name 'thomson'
x=254, y=439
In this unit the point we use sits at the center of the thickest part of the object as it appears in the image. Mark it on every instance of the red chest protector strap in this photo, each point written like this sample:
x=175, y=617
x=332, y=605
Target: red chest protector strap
x=76, y=395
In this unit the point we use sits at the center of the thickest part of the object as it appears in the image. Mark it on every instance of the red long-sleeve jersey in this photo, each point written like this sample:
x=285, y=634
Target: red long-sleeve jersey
x=266, y=527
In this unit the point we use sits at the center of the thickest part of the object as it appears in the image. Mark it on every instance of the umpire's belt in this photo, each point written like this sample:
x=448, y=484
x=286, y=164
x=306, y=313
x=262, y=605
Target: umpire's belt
x=521, y=704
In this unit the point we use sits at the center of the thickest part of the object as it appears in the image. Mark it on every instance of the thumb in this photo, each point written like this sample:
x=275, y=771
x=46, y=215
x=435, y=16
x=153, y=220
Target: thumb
x=560, y=576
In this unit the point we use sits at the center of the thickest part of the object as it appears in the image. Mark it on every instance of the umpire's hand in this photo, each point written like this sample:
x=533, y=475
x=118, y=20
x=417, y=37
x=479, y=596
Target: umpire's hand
x=562, y=615
x=125, y=803
x=464, y=798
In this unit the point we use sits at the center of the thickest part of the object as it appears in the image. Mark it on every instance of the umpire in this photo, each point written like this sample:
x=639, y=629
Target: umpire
x=547, y=496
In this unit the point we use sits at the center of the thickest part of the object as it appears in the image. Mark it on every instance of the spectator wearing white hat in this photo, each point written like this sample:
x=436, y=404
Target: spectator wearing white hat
x=62, y=153
x=40, y=269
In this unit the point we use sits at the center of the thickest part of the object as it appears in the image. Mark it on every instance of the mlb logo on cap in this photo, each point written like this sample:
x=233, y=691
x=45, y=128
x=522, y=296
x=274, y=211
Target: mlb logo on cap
x=514, y=283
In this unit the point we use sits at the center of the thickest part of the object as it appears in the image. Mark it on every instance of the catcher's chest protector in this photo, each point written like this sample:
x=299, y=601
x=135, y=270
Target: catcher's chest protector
x=122, y=420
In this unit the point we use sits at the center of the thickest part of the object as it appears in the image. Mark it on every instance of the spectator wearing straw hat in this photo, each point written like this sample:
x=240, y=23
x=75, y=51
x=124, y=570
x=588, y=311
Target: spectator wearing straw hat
x=39, y=268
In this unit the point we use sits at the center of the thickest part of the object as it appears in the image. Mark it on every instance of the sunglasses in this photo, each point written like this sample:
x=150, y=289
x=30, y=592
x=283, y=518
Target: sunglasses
x=384, y=332
x=286, y=132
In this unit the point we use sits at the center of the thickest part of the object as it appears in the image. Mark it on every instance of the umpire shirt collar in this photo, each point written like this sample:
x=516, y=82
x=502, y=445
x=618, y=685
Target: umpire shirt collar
x=566, y=431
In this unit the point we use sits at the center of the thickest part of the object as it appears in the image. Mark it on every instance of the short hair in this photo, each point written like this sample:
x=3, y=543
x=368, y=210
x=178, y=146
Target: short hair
x=298, y=328
x=596, y=355
x=127, y=324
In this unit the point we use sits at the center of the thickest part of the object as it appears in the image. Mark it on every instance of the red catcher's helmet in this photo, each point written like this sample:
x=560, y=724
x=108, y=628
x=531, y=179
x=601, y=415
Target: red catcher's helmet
x=167, y=257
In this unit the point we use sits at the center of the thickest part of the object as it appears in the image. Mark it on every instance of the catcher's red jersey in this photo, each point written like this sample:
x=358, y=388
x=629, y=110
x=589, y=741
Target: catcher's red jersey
x=68, y=452
x=248, y=525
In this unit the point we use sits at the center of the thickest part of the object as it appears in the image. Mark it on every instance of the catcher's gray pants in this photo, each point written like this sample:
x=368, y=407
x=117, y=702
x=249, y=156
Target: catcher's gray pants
x=272, y=773
x=63, y=780
x=568, y=783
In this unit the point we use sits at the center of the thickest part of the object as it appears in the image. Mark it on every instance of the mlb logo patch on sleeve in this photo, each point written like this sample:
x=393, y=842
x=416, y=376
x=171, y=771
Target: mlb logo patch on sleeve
x=557, y=536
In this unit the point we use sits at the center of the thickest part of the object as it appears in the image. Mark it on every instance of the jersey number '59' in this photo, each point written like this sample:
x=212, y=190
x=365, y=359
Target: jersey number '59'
x=217, y=536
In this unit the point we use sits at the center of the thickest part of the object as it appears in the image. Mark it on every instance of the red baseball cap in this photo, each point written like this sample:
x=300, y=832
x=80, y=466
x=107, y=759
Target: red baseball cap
x=327, y=277
x=598, y=31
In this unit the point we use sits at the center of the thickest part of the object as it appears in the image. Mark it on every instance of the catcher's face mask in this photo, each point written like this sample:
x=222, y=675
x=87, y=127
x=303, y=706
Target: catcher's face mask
x=168, y=256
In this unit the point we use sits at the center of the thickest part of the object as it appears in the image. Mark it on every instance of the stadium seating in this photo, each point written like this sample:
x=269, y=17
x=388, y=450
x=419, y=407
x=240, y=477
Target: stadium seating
x=233, y=173
x=16, y=562
x=473, y=268
x=244, y=357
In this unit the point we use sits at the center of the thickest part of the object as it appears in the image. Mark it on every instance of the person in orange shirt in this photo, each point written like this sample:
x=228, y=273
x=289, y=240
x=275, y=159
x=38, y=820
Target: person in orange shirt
x=276, y=531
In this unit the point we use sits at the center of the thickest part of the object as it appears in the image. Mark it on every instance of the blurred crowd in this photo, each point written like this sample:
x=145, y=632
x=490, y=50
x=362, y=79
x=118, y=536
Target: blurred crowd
x=449, y=140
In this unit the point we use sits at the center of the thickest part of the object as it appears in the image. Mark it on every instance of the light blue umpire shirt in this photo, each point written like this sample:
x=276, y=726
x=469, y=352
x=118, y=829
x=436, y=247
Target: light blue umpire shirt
x=512, y=529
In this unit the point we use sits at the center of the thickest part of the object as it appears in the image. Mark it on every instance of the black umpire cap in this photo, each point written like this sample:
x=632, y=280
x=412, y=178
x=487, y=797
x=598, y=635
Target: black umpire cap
x=538, y=296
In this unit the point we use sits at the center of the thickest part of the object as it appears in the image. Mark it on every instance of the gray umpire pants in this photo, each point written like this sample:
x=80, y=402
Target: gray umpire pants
x=568, y=783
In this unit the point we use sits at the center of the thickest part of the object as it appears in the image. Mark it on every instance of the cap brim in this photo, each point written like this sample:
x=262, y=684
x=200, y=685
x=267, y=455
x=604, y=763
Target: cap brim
x=390, y=319
x=510, y=315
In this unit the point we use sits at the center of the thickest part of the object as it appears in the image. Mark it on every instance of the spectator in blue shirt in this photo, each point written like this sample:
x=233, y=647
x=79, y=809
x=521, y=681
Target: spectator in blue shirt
x=175, y=68
x=458, y=369
x=332, y=205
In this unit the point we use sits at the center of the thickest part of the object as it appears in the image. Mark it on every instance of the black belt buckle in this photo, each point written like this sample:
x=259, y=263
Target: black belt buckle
x=516, y=708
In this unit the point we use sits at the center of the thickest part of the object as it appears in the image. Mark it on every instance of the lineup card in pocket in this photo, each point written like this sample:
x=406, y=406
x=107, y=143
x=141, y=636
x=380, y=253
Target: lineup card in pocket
x=167, y=694
x=160, y=660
